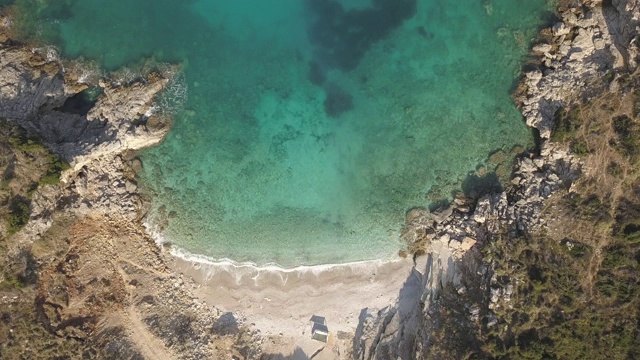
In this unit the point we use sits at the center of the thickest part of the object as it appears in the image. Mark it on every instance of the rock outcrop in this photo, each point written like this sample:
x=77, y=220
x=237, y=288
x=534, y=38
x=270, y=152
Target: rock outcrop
x=34, y=89
x=592, y=39
x=394, y=331
x=52, y=100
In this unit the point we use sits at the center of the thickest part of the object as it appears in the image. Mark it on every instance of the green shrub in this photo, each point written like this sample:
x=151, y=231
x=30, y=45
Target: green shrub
x=11, y=282
x=26, y=145
x=614, y=169
x=18, y=214
x=630, y=233
x=52, y=176
x=579, y=147
x=628, y=135
x=576, y=249
x=614, y=257
x=566, y=123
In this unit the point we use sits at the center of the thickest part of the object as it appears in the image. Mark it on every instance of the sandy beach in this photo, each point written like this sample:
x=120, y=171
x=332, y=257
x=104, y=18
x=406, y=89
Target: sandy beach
x=280, y=302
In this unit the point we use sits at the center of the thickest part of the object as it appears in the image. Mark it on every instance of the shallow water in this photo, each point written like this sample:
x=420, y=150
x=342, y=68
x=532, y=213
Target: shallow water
x=310, y=127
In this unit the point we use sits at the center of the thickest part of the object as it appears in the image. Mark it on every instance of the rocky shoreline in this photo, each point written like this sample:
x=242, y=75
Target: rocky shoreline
x=588, y=42
x=94, y=215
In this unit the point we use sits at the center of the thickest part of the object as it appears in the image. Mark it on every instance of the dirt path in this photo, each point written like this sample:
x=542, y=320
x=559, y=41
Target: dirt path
x=149, y=345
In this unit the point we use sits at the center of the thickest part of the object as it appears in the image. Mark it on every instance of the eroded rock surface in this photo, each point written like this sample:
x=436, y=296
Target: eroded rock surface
x=34, y=89
x=592, y=38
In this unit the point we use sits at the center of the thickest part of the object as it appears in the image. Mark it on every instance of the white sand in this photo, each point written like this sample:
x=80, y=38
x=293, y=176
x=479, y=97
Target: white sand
x=280, y=301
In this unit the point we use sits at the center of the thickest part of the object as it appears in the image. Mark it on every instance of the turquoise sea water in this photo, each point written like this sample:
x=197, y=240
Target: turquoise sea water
x=310, y=126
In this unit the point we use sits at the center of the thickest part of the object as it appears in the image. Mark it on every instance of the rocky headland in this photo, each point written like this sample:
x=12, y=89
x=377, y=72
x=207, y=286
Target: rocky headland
x=81, y=277
x=517, y=273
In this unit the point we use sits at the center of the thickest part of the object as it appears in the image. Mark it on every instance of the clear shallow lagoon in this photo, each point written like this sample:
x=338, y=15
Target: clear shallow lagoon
x=311, y=126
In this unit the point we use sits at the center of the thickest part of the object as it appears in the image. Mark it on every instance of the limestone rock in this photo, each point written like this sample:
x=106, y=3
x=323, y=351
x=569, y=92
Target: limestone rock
x=34, y=86
x=467, y=244
x=584, y=57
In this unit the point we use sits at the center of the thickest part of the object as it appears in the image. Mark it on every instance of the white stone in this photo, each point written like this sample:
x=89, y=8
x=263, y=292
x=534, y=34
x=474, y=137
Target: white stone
x=467, y=244
x=542, y=48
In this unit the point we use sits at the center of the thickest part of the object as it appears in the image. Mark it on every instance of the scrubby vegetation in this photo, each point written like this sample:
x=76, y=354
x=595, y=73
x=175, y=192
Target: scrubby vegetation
x=23, y=336
x=25, y=165
x=576, y=284
x=56, y=167
x=558, y=309
x=18, y=215
x=570, y=290
x=26, y=329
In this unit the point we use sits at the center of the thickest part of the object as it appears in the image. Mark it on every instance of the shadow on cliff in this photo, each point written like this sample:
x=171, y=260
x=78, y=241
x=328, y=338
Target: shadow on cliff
x=621, y=25
x=82, y=102
x=391, y=332
x=475, y=186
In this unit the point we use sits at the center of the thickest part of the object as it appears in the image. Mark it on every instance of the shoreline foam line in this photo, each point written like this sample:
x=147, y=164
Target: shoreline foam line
x=280, y=301
x=227, y=264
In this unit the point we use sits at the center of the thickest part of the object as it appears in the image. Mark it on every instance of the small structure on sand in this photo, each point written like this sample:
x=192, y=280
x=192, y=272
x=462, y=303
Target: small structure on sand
x=319, y=329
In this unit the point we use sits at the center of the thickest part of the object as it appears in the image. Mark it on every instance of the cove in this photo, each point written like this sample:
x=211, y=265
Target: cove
x=306, y=129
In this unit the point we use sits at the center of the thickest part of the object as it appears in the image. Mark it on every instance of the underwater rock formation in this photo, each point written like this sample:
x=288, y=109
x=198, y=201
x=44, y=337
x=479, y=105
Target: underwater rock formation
x=343, y=37
x=337, y=101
